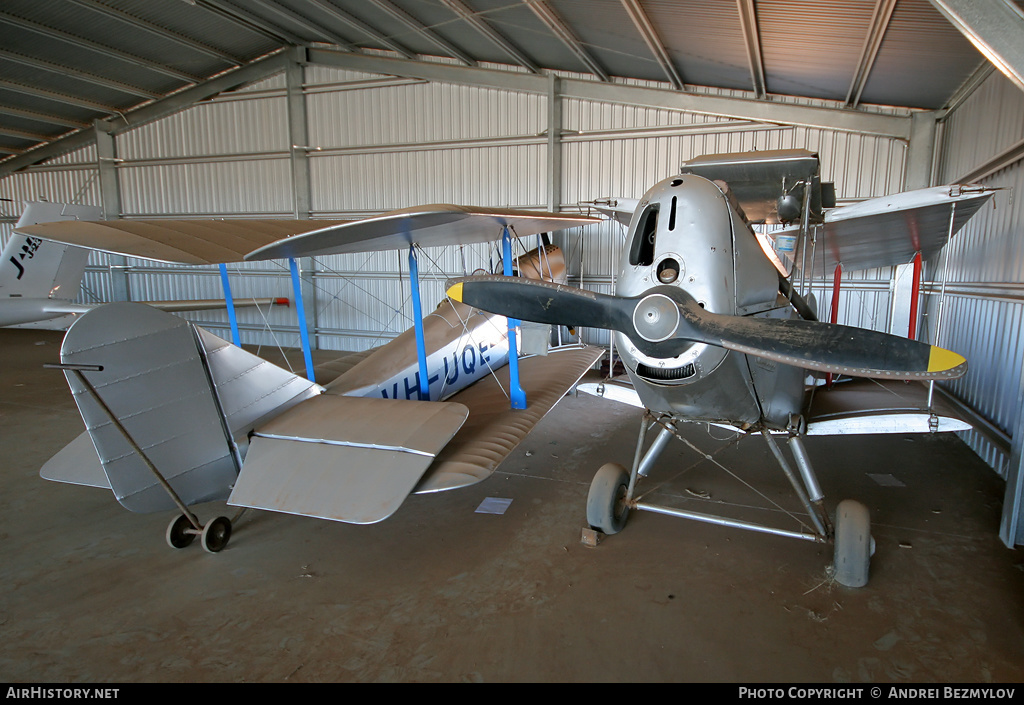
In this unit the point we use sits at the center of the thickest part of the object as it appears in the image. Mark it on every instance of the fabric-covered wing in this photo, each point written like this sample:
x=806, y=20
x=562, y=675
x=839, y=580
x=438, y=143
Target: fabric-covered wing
x=438, y=224
x=493, y=429
x=178, y=241
x=758, y=179
x=862, y=406
x=890, y=230
x=207, y=241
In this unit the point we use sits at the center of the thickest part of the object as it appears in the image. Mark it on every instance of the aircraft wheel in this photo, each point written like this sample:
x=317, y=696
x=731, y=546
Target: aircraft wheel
x=853, y=544
x=178, y=535
x=606, y=502
x=216, y=534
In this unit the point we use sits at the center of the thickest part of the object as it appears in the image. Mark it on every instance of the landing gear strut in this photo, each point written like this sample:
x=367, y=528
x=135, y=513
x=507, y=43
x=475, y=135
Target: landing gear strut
x=613, y=495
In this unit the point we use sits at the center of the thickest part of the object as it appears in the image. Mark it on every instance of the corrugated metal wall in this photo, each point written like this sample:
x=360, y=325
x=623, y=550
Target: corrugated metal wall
x=382, y=143
x=985, y=281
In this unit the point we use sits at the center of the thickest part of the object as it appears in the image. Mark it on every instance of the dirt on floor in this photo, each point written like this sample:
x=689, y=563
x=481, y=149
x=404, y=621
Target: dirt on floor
x=440, y=592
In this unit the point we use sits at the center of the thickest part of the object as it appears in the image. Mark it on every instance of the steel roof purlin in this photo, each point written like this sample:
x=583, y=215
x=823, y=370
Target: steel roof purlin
x=68, y=63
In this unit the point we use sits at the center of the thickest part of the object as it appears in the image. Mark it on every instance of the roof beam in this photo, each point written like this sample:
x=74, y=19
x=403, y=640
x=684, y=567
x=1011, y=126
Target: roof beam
x=57, y=97
x=995, y=28
x=896, y=126
x=306, y=23
x=22, y=135
x=71, y=39
x=77, y=74
x=646, y=29
x=752, y=40
x=472, y=18
x=560, y=30
x=967, y=88
x=410, y=22
x=869, y=52
x=248, y=21
x=361, y=26
x=44, y=118
x=162, y=32
x=261, y=68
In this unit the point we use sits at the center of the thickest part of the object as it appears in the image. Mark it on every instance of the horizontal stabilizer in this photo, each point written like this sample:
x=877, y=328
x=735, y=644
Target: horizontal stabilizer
x=349, y=459
x=76, y=464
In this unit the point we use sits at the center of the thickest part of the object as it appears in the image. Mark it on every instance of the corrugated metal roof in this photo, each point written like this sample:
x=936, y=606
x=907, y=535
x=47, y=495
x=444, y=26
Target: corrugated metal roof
x=65, y=63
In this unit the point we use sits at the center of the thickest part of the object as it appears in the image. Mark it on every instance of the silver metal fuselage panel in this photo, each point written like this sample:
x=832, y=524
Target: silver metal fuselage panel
x=721, y=265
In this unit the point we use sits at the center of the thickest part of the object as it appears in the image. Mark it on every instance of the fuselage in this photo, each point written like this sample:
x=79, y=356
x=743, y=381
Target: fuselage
x=687, y=233
x=462, y=344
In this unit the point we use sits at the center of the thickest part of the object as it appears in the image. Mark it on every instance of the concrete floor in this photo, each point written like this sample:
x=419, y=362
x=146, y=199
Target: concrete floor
x=438, y=592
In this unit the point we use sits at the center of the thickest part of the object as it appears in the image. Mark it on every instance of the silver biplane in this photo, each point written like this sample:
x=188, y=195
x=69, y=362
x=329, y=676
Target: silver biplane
x=177, y=416
x=711, y=329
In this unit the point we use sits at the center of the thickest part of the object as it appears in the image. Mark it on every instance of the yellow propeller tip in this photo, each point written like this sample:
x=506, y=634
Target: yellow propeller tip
x=455, y=292
x=940, y=360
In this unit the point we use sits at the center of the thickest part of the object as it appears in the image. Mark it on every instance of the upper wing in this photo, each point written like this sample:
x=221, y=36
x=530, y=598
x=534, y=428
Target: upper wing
x=438, y=224
x=177, y=241
x=757, y=180
x=233, y=240
x=890, y=230
x=621, y=209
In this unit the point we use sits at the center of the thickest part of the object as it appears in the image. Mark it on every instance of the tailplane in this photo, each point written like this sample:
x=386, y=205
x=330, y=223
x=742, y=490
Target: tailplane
x=148, y=381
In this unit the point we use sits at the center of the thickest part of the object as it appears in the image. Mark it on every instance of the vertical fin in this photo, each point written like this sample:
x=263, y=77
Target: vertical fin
x=35, y=268
x=183, y=395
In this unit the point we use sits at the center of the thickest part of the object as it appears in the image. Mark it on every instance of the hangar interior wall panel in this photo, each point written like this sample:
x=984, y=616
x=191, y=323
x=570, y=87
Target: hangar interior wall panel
x=378, y=143
x=984, y=299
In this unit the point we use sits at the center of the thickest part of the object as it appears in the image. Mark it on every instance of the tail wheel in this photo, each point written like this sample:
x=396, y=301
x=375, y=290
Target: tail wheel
x=606, y=502
x=216, y=534
x=180, y=532
x=853, y=544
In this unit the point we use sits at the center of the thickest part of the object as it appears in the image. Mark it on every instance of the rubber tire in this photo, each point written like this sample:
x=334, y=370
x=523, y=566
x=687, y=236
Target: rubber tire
x=216, y=534
x=177, y=537
x=606, y=507
x=853, y=544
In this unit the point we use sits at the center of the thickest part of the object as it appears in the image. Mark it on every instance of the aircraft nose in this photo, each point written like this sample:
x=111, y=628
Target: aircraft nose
x=656, y=318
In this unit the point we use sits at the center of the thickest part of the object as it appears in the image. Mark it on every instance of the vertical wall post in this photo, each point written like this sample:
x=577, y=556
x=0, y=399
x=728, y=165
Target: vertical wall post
x=110, y=194
x=298, y=140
